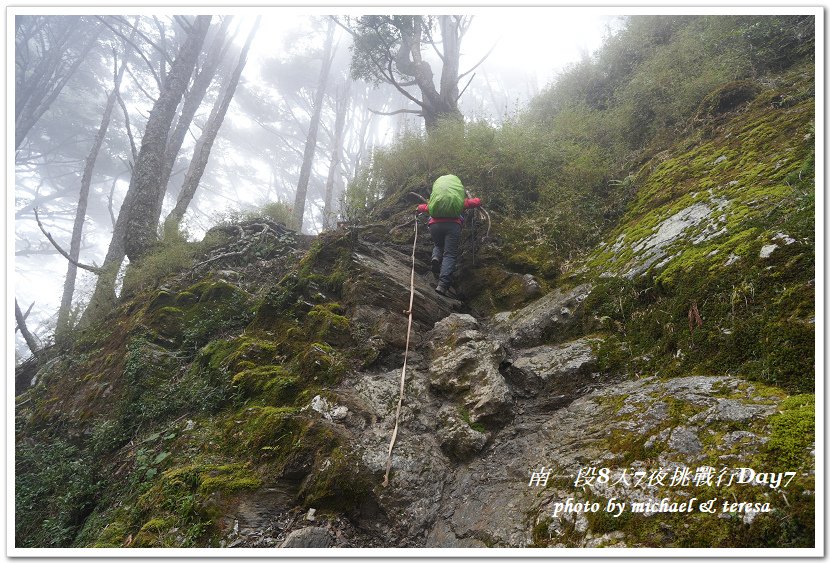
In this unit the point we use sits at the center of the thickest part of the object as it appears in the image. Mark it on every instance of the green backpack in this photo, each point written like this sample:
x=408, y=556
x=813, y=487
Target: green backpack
x=447, y=198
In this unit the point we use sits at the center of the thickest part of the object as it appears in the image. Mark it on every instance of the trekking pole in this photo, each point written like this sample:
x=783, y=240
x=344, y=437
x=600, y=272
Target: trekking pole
x=405, y=355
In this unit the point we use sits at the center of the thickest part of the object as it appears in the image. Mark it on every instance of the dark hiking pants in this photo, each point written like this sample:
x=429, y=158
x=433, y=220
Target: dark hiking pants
x=445, y=237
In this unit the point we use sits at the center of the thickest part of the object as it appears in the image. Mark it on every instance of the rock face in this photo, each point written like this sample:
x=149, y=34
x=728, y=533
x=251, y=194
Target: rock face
x=465, y=366
x=487, y=405
x=542, y=320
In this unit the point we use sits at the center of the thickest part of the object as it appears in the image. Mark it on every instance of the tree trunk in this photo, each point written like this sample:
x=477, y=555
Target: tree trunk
x=143, y=209
x=201, y=152
x=192, y=101
x=436, y=104
x=311, y=140
x=361, y=145
x=31, y=342
x=103, y=299
x=63, y=325
x=342, y=109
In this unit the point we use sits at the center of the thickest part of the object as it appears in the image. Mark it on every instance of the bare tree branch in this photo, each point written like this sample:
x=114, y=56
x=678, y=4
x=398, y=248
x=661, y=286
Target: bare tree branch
x=434, y=46
x=146, y=38
x=121, y=103
x=463, y=74
x=134, y=46
x=140, y=86
x=278, y=135
x=94, y=269
x=25, y=315
x=465, y=87
x=396, y=112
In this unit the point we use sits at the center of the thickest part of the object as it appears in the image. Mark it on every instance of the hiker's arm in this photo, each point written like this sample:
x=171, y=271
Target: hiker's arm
x=423, y=208
x=472, y=202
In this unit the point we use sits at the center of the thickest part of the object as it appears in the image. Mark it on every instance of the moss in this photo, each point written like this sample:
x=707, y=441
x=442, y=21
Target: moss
x=612, y=402
x=180, y=508
x=321, y=363
x=228, y=479
x=112, y=535
x=328, y=263
x=610, y=353
x=274, y=384
x=630, y=446
x=465, y=416
x=340, y=482
x=328, y=325
x=163, y=298
x=540, y=534
x=155, y=525
x=792, y=435
x=727, y=98
x=263, y=432
x=239, y=353
x=186, y=298
x=167, y=321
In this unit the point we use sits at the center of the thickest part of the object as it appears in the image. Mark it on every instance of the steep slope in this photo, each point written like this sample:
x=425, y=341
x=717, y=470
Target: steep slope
x=222, y=404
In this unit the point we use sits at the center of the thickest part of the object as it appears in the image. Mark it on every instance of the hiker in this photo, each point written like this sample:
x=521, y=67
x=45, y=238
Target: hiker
x=446, y=206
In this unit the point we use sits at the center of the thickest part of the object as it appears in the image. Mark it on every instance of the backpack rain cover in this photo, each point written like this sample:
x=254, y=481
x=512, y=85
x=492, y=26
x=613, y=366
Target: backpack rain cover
x=447, y=198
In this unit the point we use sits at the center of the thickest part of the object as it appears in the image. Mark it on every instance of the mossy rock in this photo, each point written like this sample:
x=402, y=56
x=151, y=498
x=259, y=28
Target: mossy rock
x=340, y=483
x=186, y=298
x=727, y=98
x=218, y=291
x=167, y=322
x=274, y=384
x=492, y=289
x=163, y=298
x=243, y=352
x=181, y=507
x=321, y=363
x=329, y=325
x=793, y=435
x=264, y=432
x=210, y=289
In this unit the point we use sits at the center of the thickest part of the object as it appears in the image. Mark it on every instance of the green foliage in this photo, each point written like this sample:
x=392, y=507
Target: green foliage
x=793, y=435
x=649, y=78
x=171, y=255
x=359, y=196
x=544, y=192
x=178, y=510
x=55, y=489
x=554, y=180
x=375, y=38
x=279, y=212
x=757, y=313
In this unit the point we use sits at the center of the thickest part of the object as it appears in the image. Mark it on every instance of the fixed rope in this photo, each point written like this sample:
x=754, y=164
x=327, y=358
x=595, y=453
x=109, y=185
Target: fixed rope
x=405, y=355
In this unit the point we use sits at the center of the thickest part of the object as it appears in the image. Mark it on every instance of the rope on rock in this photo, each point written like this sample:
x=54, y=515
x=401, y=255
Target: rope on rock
x=405, y=355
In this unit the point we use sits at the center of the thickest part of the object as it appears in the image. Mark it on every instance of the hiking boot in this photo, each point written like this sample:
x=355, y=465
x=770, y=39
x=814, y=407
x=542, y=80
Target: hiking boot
x=436, y=267
x=441, y=290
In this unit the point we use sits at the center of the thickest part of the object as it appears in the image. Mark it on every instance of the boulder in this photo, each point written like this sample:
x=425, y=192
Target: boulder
x=557, y=373
x=312, y=536
x=465, y=366
x=548, y=319
x=457, y=438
